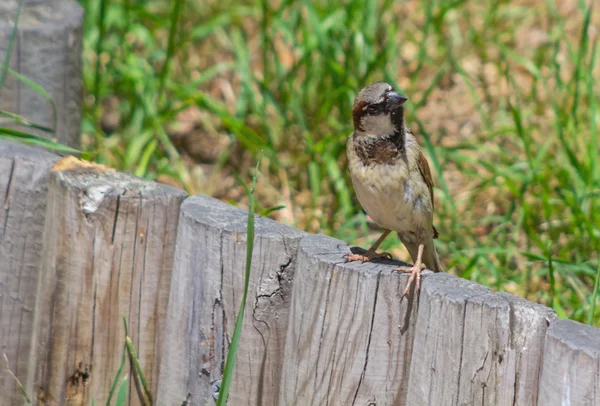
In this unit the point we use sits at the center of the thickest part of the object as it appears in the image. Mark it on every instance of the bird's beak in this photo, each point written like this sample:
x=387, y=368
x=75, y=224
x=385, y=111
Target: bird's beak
x=395, y=100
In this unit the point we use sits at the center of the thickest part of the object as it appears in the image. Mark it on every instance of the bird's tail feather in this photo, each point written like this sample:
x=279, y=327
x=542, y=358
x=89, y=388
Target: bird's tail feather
x=430, y=255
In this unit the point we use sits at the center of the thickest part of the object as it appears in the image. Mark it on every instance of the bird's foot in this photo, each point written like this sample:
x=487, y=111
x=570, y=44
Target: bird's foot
x=367, y=256
x=415, y=277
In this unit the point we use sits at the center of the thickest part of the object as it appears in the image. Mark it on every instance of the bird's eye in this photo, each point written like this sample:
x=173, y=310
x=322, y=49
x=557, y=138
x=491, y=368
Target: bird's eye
x=374, y=109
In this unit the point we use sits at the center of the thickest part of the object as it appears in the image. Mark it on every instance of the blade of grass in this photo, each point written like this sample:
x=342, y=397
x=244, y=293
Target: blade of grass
x=270, y=210
x=21, y=388
x=174, y=18
x=235, y=340
x=314, y=178
x=145, y=159
x=136, y=365
x=122, y=396
x=113, y=387
x=583, y=41
x=17, y=119
x=339, y=185
x=15, y=135
x=552, y=282
x=590, y=318
x=11, y=43
x=39, y=90
x=101, y=35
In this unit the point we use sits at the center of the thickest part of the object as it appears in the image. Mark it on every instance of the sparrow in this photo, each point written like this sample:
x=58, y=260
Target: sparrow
x=392, y=179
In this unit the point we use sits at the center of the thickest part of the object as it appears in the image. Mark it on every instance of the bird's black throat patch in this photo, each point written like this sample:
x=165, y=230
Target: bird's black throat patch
x=383, y=149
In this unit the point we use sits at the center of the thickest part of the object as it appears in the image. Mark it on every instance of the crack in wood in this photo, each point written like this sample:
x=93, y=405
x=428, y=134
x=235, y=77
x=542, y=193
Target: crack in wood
x=7, y=197
x=114, y=229
x=323, y=323
x=462, y=347
x=364, y=370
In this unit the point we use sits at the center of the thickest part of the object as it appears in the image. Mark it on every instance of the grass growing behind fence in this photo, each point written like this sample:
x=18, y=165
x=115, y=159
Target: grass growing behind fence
x=502, y=98
x=237, y=332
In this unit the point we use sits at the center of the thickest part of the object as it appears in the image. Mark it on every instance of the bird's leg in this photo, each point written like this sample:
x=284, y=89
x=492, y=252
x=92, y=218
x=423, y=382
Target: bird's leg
x=415, y=272
x=371, y=253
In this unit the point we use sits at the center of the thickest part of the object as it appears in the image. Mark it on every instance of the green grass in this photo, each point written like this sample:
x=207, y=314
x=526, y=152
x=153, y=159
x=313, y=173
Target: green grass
x=237, y=331
x=122, y=381
x=502, y=97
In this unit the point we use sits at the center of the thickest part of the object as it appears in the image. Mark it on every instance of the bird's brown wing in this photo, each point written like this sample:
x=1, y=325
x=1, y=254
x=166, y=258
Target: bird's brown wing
x=426, y=174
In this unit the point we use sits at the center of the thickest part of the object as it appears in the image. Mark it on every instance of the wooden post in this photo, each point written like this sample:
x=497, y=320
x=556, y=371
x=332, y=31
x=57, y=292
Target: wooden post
x=473, y=346
x=350, y=338
x=23, y=188
x=340, y=335
x=206, y=291
x=47, y=50
x=571, y=370
x=108, y=253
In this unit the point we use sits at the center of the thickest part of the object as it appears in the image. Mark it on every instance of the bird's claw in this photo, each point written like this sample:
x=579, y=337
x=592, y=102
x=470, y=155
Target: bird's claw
x=367, y=257
x=356, y=257
x=415, y=277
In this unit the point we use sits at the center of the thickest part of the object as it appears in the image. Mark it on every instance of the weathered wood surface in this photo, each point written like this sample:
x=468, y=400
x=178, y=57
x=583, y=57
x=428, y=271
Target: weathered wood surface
x=350, y=338
x=571, y=369
x=47, y=50
x=318, y=331
x=108, y=252
x=24, y=175
x=205, y=297
x=475, y=347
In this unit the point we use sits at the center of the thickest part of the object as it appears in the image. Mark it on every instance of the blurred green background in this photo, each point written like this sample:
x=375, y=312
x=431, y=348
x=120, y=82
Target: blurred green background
x=502, y=97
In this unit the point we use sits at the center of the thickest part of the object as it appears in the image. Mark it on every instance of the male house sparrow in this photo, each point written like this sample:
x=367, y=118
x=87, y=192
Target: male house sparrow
x=392, y=178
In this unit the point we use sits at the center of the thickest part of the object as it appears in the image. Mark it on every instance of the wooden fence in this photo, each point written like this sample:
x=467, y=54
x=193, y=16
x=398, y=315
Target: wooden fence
x=82, y=245
x=47, y=50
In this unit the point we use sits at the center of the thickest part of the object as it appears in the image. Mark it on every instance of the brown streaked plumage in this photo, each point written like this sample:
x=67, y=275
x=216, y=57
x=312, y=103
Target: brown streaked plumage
x=391, y=177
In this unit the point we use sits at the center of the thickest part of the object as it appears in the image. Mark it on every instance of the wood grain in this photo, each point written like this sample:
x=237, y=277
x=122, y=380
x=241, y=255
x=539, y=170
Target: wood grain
x=474, y=347
x=24, y=173
x=571, y=369
x=108, y=253
x=94, y=244
x=47, y=50
x=350, y=338
x=205, y=297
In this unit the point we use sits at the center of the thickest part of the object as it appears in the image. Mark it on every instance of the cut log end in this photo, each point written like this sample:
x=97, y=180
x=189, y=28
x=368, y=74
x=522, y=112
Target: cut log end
x=71, y=163
x=571, y=369
x=96, y=181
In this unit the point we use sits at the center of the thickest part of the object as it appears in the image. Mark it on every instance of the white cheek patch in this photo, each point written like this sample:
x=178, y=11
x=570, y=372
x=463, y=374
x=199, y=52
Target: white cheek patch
x=378, y=125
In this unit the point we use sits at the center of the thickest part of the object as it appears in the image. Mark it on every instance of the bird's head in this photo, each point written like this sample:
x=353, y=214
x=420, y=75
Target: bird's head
x=378, y=110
